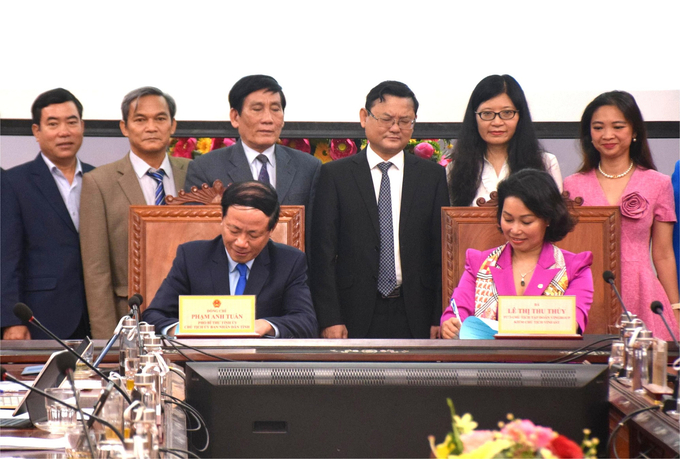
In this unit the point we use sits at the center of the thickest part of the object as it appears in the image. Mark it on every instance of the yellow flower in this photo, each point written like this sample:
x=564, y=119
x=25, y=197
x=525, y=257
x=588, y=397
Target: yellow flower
x=442, y=450
x=322, y=152
x=204, y=145
x=465, y=424
x=487, y=450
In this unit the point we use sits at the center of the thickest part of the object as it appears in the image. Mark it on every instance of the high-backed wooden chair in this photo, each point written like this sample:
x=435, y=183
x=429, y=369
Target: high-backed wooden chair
x=156, y=231
x=598, y=230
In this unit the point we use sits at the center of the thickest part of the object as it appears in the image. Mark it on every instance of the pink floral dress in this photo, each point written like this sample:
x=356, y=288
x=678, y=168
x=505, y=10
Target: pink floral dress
x=647, y=197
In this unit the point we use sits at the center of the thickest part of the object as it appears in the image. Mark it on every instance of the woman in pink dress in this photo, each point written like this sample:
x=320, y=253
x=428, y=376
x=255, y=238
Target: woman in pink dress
x=618, y=170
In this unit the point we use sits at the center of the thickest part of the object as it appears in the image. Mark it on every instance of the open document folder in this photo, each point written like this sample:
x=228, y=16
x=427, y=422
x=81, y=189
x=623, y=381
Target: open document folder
x=478, y=328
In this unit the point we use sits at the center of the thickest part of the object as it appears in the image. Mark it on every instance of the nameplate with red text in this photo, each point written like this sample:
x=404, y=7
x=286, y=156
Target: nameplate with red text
x=537, y=315
x=216, y=315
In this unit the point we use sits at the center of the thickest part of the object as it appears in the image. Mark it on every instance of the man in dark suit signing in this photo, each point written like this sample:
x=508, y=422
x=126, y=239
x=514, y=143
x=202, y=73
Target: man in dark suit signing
x=376, y=250
x=257, y=105
x=40, y=220
x=243, y=260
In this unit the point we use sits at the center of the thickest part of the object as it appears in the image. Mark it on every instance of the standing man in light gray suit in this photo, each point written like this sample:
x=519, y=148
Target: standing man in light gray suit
x=257, y=104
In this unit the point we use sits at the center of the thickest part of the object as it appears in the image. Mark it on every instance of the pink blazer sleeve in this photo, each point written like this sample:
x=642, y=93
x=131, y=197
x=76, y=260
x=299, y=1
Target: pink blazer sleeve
x=464, y=293
x=580, y=284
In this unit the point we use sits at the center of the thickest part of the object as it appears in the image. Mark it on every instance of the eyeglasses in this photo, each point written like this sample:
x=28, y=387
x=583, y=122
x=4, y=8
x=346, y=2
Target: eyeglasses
x=488, y=115
x=387, y=122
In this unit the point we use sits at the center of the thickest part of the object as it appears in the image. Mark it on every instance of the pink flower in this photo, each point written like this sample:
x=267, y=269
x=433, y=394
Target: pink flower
x=341, y=148
x=184, y=147
x=634, y=205
x=299, y=144
x=522, y=429
x=222, y=142
x=444, y=162
x=475, y=439
x=424, y=150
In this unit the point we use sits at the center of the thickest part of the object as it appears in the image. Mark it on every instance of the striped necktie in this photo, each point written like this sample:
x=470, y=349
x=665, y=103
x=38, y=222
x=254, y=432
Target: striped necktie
x=159, y=196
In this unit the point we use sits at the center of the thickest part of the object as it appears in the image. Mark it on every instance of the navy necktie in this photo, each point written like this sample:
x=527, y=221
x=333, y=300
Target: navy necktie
x=387, y=275
x=159, y=196
x=264, y=175
x=241, y=285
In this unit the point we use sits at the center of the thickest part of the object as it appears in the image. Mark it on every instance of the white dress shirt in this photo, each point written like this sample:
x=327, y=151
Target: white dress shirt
x=256, y=165
x=490, y=180
x=147, y=183
x=70, y=192
x=396, y=176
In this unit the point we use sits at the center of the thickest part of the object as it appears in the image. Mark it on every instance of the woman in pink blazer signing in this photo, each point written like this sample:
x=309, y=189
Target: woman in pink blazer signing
x=532, y=216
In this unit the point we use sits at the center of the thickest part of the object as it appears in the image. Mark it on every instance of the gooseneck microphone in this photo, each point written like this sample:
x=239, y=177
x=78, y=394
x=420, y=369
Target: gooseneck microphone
x=5, y=376
x=609, y=278
x=24, y=313
x=135, y=300
x=66, y=364
x=657, y=308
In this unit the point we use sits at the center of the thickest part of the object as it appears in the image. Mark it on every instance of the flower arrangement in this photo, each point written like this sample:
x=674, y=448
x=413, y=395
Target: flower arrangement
x=519, y=438
x=325, y=149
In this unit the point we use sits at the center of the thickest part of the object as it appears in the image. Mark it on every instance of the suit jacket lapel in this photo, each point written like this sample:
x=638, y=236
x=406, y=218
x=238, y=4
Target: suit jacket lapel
x=219, y=272
x=179, y=172
x=502, y=273
x=408, y=188
x=542, y=275
x=259, y=273
x=284, y=172
x=362, y=175
x=44, y=182
x=129, y=182
x=238, y=169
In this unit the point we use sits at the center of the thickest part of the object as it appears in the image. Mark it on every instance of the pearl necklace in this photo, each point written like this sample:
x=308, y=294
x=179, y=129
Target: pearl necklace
x=599, y=167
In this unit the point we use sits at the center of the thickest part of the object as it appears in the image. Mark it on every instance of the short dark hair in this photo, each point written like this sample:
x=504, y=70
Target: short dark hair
x=640, y=152
x=469, y=151
x=51, y=97
x=539, y=193
x=248, y=85
x=258, y=195
x=390, y=88
x=135, y=95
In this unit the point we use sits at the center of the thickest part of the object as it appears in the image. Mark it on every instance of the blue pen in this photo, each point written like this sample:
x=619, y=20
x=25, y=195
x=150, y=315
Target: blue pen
x=454, y=306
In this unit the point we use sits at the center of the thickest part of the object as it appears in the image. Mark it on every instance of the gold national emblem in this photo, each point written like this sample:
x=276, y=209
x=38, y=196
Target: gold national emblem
x=217, y=303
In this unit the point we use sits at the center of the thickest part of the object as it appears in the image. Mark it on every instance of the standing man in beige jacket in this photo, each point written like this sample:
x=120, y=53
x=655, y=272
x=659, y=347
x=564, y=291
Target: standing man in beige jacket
x=144, y=176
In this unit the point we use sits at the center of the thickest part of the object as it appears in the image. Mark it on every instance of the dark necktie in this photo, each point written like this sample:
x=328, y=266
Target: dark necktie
x=387, y=276
x=241, y=284
x=264, y=175
x=159, y=196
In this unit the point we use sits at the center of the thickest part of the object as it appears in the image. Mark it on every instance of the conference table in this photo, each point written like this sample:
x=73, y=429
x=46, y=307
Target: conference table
x=654, y=432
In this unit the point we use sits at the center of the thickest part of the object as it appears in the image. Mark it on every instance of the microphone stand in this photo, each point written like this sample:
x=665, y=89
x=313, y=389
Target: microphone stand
x=64, y=364
x=35, y=322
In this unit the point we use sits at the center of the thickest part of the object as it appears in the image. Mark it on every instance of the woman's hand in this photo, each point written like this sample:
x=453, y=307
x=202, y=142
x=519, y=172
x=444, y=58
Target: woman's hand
x=451, y=329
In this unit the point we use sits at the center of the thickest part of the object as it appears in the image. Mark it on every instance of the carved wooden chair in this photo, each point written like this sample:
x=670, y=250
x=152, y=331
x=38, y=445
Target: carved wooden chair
x=598, y=230
x=156, y=231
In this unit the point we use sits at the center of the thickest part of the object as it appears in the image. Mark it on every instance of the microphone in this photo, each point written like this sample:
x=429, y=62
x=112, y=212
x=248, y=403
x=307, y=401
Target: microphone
x=66, y=364
x=5, y=376
x=657, y=308
x=609, y=278
x=135, y=301
x=24, y=313
x=113, y=339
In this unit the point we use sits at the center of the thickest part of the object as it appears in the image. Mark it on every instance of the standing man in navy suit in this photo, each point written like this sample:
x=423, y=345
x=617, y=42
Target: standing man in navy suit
x=242, y=261
x=41, y=263
x=376, y=245
x=257, y=105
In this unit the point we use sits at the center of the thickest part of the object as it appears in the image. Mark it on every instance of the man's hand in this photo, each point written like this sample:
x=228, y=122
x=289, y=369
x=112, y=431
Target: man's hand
x=434, y=332
x=16, y=332
x=262, y=327
x=334, y=332
x=451, y=329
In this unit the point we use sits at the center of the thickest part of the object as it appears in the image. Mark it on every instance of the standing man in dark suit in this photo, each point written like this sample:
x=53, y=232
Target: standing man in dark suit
x=257, y=105
x=144, y=176
x=376, y=244
x=242, y=261
x=41, y=263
